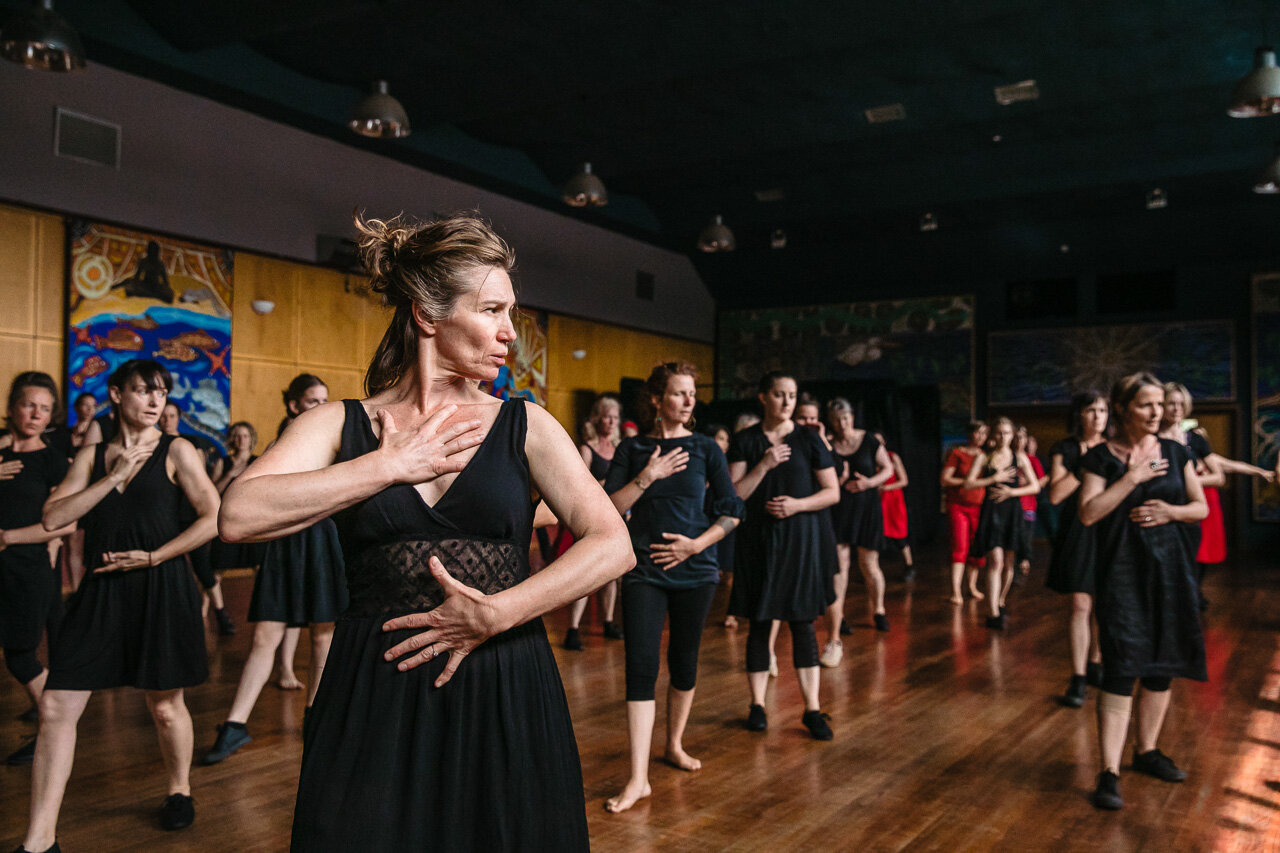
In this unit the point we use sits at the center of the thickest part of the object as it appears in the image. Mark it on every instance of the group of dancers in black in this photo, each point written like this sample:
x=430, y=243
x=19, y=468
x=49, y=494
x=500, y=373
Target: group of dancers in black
x=398, y=527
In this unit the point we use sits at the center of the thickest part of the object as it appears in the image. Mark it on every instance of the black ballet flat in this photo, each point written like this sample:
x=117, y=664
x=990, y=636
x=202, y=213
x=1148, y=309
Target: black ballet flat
x=177, y=812
x=226, y=627
x=1107, y=794
x=816, y=723
x=573, y=640
x=612, y=631
x=846, y=630
x=54, y=849
x=881, y=621
x=757, y=719
x=1074, y=697
x=230, y=738
x=996, y=623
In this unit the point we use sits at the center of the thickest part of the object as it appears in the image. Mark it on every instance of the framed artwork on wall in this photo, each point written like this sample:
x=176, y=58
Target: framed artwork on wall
x=1266, y=392
x=524, y=376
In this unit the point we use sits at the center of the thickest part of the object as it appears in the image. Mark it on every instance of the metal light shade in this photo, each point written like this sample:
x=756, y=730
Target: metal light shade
x=584, y=189
x=1268, y=182
x=1258, y=92
x=379, y=115
x=40, y=39
x=717, y=237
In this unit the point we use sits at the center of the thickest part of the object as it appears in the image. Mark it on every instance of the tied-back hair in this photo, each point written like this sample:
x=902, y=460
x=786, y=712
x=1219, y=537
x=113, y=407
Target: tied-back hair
x=590, y=430
x=33, y=379
x=837, y=407
x=991, y=436
x=421, y=263
x=656, y=386
x=1080, y=401
x=770, y=379
x=301, y=384
x=153, y=374
x=1126, y=388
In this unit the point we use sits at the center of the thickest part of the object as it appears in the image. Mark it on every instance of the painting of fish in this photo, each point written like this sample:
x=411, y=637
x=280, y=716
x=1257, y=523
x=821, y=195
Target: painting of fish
x=93, y=365
x=144, y=322
x=175, y=351
x=198, y=338
x=121, y=338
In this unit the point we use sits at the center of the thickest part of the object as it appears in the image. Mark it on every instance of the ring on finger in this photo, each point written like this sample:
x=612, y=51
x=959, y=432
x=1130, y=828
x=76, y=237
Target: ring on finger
x=1155, y=463
x=1147, y=518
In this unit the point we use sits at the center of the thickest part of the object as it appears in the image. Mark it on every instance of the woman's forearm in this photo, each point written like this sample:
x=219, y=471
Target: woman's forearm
x=255, y=509
x=1062, y=488
x=590, y=563
x=1097, y=508
x=1235, y=466
x=1190, y=513
x=625, y=498
x=750, y=481
x=719, y=529
x=201, y=531
x=820, y=499
x=34, y=534
x=63, y=511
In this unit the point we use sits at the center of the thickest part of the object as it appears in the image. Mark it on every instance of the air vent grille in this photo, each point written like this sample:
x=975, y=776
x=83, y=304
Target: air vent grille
x=86, y=139
x=886, y=113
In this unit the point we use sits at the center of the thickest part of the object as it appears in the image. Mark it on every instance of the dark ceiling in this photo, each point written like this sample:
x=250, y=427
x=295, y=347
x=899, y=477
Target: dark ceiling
x=692, y=108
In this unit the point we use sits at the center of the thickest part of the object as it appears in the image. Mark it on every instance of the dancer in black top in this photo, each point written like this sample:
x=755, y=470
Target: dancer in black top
x=786, y=475
x=440, y=721
x=30, y=588
x=859, y=518
x=135, y=621
x=1142, y=492
x=665, y=479
x=242, y=439
x=600, y=437
x=996, y=470
x=1071, y=566
x=300, y=582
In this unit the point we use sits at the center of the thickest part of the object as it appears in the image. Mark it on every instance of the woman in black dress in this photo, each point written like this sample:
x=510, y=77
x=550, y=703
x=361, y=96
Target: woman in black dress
x=440, y=722
x=242, y=438
x=665, y=479
x=135, y=620
x=859, y=518
x=1071, y=565
x=600, y=437
x=1142, y=492
x=786, y=475
x=997, y=470
x=30, y=588
x=300, y=582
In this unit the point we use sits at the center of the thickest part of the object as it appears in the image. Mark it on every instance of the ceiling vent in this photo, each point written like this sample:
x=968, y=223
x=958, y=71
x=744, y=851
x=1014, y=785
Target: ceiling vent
x=775, y=194
x=86, y=139
x=1015, y=92
x=886, y=113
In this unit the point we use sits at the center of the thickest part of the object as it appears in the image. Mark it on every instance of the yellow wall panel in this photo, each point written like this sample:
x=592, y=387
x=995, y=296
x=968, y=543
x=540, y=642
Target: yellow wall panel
x=331, y=315
x=255, y=394
x=50, y=357
x=273, y=335
x=17, y=353
x=18, y=247
x=51, y=277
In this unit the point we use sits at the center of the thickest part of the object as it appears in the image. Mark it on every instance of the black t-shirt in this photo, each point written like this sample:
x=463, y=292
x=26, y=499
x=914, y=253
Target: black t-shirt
x=22, y=498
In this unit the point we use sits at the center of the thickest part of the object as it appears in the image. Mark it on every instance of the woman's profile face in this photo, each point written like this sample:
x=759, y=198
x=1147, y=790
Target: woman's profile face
x=780, y=400
x=473, y=341
x=978, y=437
x=1145, y=411
x=722, y=440
x=31, y=412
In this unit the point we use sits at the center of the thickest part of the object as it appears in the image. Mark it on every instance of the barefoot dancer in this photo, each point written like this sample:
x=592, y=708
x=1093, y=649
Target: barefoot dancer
x=963, y=506
x=664, y=479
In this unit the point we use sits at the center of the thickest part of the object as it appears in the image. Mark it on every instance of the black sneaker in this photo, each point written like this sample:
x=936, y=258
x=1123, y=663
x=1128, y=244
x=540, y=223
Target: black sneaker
x=231, y=736
x=996, y=623
x=881, y=621
x=1156, y=763
x=573, y=640
x=816, y=723
x=54, y=849
x=1074, y=697
x=225, y=626
x=1093, y=674
x=23, y=755
x=178, y=812
x=1107, y=794
x=612, y=631
x=757, y=719
x=846, y=630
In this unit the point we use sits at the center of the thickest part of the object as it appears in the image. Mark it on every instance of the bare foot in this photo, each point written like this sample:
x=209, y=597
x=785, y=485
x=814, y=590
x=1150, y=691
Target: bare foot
x=681, y=760
x=289, y=681
x=629, y=797
x=976, y=595
x=955, y=599
x=730, y=622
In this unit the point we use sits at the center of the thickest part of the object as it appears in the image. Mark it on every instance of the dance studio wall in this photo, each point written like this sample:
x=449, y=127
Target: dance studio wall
x=32, y=281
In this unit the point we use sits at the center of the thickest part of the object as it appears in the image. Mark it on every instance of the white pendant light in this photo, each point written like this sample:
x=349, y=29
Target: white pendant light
x=379, y=115
x=1268, y=181
x=584, y=189
x=1258, y=92
x=717, y=237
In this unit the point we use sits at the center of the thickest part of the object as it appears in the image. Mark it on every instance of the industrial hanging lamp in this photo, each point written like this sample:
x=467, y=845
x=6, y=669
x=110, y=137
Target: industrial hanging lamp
x=1258, y=92
x=717, y=237
x=379, y=115
x=584, y=189
x=41, y=39
x=1268, y=182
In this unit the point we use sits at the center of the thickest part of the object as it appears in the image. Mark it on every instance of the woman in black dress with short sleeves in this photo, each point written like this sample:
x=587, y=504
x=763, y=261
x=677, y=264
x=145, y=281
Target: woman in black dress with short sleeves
x=440, y=722
x=30, y=588
x=786, y=475
x=1071, y=565
x=135, y=620
x=665, y=479
x=1142, y=493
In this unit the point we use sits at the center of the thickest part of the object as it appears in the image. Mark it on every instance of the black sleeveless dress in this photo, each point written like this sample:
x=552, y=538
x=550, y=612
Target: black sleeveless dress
x=1147, y=599
x=782, y=565
x=1071, y=566
x=487, y=762
x=999, y=524
x=30, y=588
x=301, y=579
x=599, y=466
x=859, y=518
x=141, y=627
x=237, y=555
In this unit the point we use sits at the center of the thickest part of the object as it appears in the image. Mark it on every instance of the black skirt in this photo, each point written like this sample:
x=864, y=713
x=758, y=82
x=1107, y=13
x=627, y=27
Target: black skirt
x=301, y=580
x=1071, y=565
x=999, y=526
x=783, y=568
x=859, y=519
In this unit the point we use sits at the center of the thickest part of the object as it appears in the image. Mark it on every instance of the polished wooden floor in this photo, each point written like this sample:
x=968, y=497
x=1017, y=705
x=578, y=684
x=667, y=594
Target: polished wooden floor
x=948, y=737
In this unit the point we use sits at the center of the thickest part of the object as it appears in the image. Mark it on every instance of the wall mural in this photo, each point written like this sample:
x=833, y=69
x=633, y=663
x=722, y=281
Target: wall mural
x=524, y=376
x=925, y=341
x=1045, y=366
x=1266, y=392
x=138, y=295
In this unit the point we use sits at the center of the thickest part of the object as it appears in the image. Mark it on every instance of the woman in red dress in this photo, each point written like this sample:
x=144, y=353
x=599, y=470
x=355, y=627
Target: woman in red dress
x=963, y=507
x=893, y=506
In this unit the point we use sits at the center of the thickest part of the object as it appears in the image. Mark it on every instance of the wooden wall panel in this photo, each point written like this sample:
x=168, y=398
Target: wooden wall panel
x=331, y=320
x=31, y=292
x=270, y=336
x=18, y=247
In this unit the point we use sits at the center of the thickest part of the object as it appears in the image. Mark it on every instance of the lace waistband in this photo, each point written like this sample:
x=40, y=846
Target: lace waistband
x=396, y=577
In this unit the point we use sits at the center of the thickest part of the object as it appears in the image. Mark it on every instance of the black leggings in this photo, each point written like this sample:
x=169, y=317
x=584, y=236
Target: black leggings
x=23, y=664
x=644, y=610
x=1123, y=685
x=804, y=645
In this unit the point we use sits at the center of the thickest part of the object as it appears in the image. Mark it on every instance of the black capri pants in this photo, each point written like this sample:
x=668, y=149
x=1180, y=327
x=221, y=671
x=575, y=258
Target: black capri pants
x=645, y=607
x=1122, y=685
x=804, y=645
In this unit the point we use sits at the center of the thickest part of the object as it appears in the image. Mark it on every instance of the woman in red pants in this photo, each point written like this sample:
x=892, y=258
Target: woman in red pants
x=963, y=507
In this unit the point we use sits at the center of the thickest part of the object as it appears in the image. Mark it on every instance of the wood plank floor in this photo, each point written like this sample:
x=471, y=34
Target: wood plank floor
x=947, y=738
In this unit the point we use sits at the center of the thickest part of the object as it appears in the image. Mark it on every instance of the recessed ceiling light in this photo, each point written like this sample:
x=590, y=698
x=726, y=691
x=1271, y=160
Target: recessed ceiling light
x=1064, y=248
x=997, y=138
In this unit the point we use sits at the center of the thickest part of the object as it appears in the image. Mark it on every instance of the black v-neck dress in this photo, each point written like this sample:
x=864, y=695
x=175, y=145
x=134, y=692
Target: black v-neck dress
x=859, y=517
x=141, y=627
x=487, y=762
